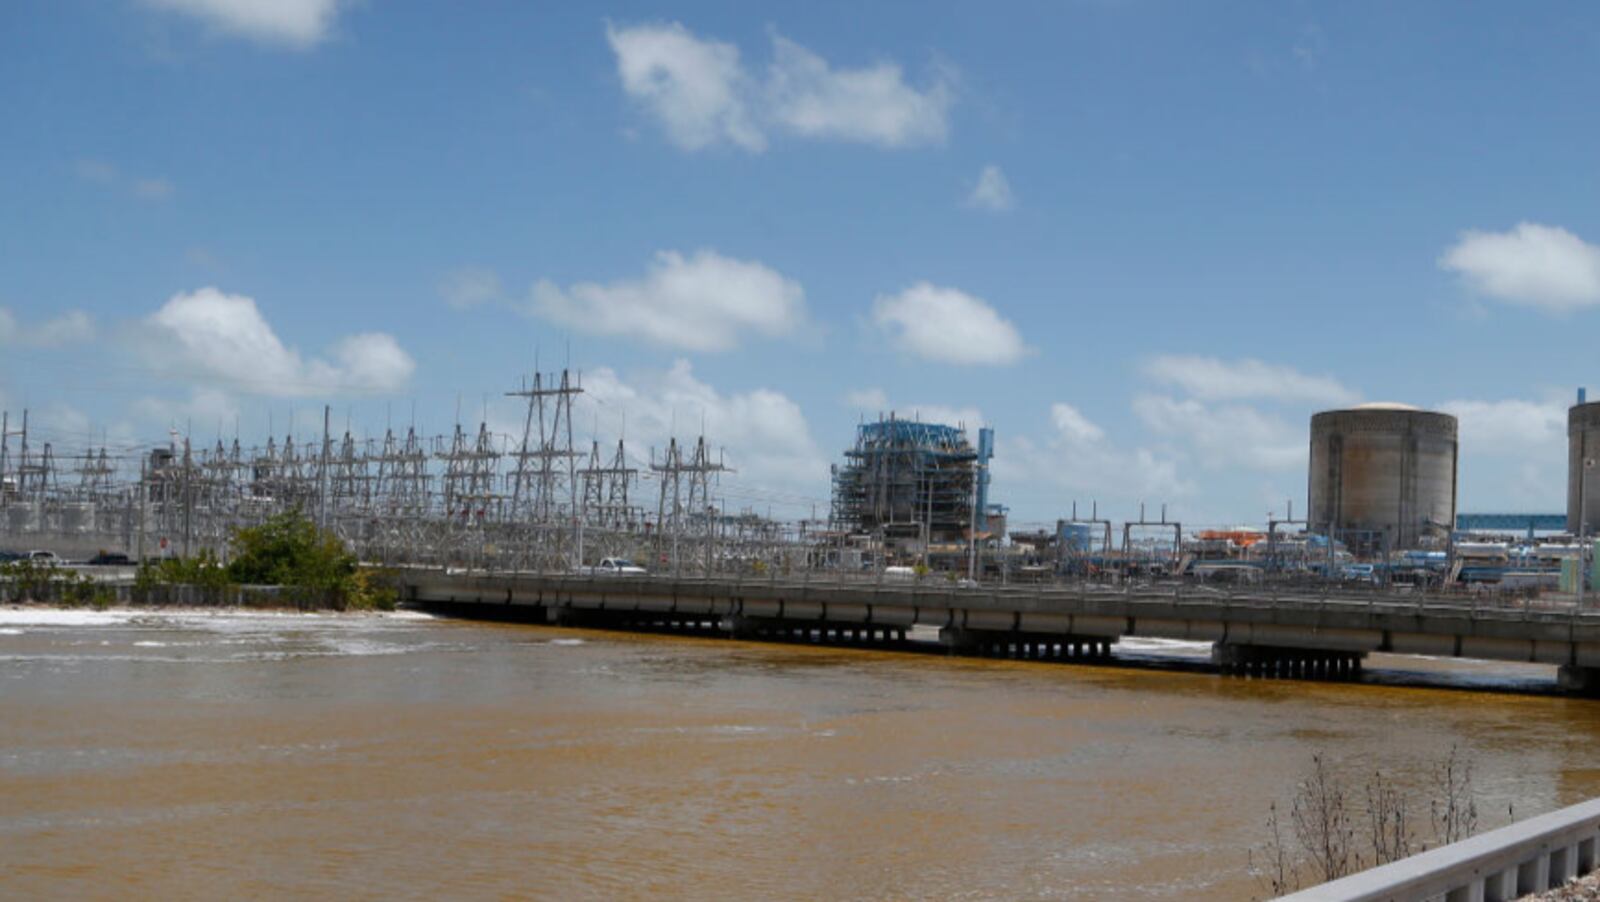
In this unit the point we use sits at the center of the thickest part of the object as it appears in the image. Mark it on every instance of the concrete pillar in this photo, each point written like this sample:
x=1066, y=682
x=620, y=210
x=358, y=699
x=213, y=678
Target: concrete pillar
x=1501, y=887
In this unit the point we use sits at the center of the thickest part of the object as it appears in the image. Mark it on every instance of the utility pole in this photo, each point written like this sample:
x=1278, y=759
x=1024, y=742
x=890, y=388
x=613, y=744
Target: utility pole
x=143, y=494
x=322, y=473
x=188, y=500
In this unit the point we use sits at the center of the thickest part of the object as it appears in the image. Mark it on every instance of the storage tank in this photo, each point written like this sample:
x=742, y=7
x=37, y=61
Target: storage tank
x=1383, y=474
x=1583, y=456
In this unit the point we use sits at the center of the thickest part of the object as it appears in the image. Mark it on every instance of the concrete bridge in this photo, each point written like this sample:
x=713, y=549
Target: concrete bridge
x=1255, y=630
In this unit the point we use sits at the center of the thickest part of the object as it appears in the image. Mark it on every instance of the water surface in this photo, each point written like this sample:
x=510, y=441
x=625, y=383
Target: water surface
x=223, y=755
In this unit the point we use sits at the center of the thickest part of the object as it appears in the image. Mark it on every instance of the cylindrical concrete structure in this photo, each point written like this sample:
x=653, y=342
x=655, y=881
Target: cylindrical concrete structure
x=1383, y=475
x=1583, y=468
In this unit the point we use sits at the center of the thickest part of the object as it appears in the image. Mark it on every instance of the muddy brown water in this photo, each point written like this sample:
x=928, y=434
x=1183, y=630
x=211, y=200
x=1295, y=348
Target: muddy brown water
x=179, y=756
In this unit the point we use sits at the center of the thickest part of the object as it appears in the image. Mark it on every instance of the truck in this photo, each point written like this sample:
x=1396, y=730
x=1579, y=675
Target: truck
x=614, y=566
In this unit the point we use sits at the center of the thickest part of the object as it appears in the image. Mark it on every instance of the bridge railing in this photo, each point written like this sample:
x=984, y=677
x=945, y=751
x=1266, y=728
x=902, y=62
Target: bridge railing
x=1471, y=605
x=1531, y=856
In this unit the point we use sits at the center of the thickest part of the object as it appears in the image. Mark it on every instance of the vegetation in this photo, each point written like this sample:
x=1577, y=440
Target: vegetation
x=27, y=580
x=308, y=567
x=1334, y=830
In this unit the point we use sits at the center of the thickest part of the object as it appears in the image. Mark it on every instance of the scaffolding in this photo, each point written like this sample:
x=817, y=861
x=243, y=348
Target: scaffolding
x=912, y=483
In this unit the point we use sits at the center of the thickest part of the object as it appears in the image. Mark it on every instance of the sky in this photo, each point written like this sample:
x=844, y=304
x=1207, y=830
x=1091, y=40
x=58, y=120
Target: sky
x=1143, y=241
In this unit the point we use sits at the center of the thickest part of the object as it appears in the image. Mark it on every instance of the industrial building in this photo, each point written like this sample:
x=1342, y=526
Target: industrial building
x=1583, y=458
x=1383, y=476
x=914, y=485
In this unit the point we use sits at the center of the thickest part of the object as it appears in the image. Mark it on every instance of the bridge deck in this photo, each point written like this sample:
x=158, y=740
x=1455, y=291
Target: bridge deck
x=1339, y=622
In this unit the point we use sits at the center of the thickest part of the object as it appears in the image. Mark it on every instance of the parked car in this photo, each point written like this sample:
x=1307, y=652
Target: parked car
x=45, y=558
x=7, y=557
x=110, y=559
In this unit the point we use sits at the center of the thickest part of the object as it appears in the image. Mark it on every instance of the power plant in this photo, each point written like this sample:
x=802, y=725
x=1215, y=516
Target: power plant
x=1383, y=476
x=907, y=497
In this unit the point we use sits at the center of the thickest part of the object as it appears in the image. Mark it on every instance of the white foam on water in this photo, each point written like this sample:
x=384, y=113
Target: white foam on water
x=150, y=644
x=364, y=647
x=565, y=642
x=10, y=632
x=1166, y=646
x=63, y=617
x=407, y=615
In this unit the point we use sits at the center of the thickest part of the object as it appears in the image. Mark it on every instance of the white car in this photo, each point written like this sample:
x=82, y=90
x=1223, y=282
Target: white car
x=617, y=566
x=47, y=558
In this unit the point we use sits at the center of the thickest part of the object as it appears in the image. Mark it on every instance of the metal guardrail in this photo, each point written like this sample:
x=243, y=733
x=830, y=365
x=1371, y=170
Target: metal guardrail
x=1531, y=856
x=1178, y=595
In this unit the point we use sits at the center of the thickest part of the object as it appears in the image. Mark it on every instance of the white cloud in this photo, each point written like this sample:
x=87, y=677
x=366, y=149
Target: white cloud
x=701, y=93
x=1078, y=456
x=1510, y=426
x=1226, y=436
x=1535, y=265
x=872, y=105
x=470, y=286
x=72, y=327
x=299, y=24
x=223, y=336
x=1513, y=453
x=694, y=87
x=763, y=433
x=1073, y=426
x=1214, y=379
x=205, y=408
x=948, y=326
x=706, y=302
x=992, y=192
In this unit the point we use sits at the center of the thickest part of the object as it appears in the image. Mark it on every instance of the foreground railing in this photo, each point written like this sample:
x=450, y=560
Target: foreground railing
x=1527, y=857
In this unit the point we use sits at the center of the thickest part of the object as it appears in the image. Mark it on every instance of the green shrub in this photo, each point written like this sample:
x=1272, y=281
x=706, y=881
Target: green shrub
x=289, y=550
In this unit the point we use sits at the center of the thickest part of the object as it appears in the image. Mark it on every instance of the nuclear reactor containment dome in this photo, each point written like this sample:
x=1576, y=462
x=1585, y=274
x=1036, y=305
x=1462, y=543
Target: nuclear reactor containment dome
x=1383, y=475
x=1583, y=468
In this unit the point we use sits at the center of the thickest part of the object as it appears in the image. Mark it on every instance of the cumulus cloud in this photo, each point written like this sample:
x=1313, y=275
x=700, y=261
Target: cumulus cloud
x=72, y=327
x=299, y=24
x=694, y=87
x=706, y=302
x=763, y=433
x=871, y=105
x=702, y=95
x=1510, y=426
x=993, y=192
x=1228, y=435
x=1534, y=265
x=1078, y=456
x=947, y=325
x=224, y=337
x=1513, y=453
x=1215, y=379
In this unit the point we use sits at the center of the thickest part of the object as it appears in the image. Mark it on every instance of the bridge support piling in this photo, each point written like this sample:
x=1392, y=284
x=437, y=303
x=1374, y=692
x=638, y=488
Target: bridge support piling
x=1578, y=680
x=1289, y=663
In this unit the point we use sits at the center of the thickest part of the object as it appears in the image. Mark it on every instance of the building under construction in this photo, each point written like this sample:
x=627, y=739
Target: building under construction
x=911, y=483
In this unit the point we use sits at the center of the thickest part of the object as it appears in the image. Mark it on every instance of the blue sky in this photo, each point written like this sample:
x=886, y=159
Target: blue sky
x=1144, y=241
